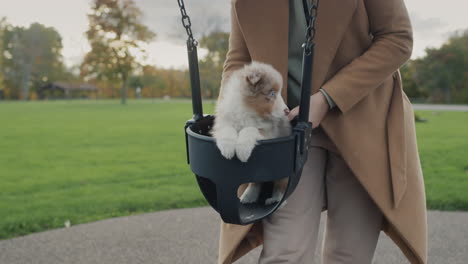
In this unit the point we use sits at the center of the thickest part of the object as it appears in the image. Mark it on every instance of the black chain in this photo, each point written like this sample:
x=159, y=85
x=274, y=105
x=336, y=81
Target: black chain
x=311, y=17
x=191, y=41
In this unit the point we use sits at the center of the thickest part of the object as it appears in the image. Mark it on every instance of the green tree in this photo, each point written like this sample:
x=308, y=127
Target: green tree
x=115, y=34
x=412, y=89
x=443, y=72
x=31, y=57
x=153, y=79
x=211, y=66
x=160, y=82
x=2, y=50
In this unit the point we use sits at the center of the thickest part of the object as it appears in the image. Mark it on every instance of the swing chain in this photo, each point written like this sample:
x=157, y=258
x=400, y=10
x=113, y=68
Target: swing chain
x=191, y=41
x=311, y=17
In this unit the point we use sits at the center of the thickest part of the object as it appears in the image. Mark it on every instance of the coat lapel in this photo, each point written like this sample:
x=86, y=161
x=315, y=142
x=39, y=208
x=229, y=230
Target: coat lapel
x=263, y=22
x=396, y=136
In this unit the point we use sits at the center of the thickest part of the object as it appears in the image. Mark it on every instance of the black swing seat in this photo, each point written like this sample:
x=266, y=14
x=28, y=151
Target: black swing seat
x=273, y=159
x=219, y=178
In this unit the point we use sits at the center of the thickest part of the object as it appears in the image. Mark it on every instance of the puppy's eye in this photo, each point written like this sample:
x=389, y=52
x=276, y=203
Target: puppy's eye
x=272, y=93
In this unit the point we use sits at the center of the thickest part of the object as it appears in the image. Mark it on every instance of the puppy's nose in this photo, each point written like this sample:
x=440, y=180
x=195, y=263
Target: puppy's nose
x=286, y=111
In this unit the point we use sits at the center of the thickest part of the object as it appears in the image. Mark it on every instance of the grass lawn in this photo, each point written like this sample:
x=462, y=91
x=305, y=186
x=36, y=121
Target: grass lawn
x=88, y=160
x=443, y=148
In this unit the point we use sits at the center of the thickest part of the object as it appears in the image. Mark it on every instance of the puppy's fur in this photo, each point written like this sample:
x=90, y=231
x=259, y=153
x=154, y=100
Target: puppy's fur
x=251, y=108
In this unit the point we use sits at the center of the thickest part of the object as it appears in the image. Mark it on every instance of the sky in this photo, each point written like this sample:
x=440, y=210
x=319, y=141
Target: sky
x=433, y=22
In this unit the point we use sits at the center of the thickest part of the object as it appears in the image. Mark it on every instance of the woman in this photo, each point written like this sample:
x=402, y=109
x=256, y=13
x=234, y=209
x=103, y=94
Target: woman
x=363, y=165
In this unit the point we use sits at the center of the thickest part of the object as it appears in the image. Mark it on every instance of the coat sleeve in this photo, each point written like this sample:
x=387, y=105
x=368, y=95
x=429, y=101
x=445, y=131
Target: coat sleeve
x=391, y=47
x=238, y=55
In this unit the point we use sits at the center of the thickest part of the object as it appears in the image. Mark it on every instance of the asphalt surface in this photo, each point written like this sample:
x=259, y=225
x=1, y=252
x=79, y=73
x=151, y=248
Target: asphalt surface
x=186, y=236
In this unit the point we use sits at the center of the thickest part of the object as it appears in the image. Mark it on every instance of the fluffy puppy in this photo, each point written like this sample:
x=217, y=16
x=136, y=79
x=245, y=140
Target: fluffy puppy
x=251, y=108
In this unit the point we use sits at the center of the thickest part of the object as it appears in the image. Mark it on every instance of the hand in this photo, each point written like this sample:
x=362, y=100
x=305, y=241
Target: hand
x=318, y=109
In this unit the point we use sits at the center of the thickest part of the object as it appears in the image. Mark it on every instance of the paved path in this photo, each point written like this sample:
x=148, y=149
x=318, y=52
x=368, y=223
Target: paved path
x=441, y=107
x=190, y=236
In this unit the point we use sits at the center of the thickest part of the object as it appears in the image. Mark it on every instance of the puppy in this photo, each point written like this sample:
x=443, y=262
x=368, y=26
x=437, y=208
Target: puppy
x=251, y=108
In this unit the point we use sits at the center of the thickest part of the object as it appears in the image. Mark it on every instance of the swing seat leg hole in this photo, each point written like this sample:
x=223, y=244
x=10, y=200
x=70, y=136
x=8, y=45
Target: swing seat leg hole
x=278, y=191
x=251, y=193
x=262, y=193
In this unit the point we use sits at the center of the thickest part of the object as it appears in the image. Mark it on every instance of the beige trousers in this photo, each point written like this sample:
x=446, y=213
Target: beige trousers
x=353, y=220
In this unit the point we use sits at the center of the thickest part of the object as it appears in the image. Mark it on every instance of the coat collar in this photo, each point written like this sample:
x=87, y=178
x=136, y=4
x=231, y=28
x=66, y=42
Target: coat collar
x=264, y=22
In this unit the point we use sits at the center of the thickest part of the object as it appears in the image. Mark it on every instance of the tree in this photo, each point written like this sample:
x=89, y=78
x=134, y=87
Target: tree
x=115, y=34
x=442, y=73
x=211, y=67
x=31, y=57
x=2, y=50
x=160, y=82
x=408, y=75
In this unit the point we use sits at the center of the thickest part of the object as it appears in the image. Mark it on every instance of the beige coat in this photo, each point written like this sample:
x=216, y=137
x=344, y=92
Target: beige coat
x=360, y=46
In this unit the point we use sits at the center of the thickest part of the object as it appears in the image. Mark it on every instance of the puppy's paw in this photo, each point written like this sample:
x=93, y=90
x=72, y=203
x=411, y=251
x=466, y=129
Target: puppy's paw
x=283, y=204
x=226, y=147
x=271, y=200
x=250, y=194
x=276, y=197
x=246, y=142
x=244, y=150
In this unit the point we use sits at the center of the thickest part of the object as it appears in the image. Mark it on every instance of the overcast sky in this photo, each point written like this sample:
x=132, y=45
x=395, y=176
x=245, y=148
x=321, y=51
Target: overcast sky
x=432, y=20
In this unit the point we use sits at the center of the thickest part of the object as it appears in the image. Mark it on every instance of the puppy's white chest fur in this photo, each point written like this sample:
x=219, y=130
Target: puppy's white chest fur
x=240, y=115
x=250, y=109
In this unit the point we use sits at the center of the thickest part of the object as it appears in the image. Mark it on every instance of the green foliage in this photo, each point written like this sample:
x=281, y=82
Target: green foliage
x=442, y=75
x=115, y=33
x=2, y=50
x=135, y=82
x=411, y=88
x=88, y=160
x=158, y=82
x=31, y=57
x=211, y=67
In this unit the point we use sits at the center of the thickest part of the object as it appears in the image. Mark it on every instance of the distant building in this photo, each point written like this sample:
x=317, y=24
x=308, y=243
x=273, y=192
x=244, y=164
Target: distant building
x=64, y=90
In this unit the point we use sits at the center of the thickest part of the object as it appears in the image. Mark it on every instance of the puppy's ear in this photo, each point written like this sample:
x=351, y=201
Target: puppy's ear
x=254, y=78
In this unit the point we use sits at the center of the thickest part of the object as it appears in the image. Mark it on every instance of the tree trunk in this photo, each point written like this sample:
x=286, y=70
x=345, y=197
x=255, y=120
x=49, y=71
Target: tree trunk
x=25, y=84
x=124, y=90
